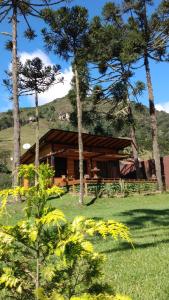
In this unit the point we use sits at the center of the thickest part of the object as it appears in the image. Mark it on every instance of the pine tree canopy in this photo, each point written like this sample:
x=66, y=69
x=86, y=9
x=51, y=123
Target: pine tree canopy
x=25, y=9
x=34, y=76
x=68, y=30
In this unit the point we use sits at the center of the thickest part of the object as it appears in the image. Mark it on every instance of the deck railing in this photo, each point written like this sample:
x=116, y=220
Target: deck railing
x=108, y=180
x=110, y=185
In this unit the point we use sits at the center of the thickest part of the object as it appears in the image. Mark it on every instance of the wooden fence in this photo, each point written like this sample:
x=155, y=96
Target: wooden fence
x=116, y=183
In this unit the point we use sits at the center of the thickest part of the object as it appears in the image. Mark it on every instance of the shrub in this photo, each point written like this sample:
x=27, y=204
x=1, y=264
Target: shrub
x=5, y=180
x=56, y=296
x=44, y=252
x=4, y=169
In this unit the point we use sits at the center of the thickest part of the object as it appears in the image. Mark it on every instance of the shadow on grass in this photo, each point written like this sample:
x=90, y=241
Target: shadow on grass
x=126, y=246
x=96, y=218
x=66, y=191
x=91, y=202
x=139, y=217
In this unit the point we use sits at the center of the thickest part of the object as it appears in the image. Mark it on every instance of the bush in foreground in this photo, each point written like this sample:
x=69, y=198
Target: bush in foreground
x=44, y=253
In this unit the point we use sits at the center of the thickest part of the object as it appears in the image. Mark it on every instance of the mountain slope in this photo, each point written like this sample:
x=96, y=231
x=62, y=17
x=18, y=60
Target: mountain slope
x=51, y=116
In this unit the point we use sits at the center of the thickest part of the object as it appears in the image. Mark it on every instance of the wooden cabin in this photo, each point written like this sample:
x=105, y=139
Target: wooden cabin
x=59, y=148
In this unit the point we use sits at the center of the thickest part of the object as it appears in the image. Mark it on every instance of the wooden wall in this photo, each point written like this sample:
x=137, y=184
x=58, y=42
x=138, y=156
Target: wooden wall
x=70, y=167
x=108, y=169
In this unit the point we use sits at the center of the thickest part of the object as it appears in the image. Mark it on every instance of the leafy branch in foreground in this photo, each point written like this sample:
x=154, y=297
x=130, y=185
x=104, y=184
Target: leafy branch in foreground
x=45, y=252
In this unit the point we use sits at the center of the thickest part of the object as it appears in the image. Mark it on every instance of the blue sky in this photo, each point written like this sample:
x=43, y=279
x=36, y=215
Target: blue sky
x=34, y=48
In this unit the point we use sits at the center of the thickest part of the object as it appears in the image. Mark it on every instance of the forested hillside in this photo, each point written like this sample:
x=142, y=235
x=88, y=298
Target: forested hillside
x=58, y=114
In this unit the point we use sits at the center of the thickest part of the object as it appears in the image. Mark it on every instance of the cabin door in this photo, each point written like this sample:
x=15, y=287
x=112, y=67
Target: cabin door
x=60, y=166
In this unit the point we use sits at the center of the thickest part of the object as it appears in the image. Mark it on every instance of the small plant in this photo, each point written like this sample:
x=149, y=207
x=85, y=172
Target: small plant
x=56, y=296
x=5, y=181
x=44, y=252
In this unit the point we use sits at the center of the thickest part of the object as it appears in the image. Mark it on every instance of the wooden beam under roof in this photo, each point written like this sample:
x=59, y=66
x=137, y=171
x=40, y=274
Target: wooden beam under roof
x=86, y=154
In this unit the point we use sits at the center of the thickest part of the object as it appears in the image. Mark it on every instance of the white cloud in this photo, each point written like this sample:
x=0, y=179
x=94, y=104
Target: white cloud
x=38, y=53
x=159, y=107
x=162, y=106
x=57, y=90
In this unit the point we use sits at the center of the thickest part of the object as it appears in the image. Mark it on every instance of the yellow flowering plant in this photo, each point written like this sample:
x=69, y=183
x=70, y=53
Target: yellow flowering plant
x=103, y=296
x=45, y=252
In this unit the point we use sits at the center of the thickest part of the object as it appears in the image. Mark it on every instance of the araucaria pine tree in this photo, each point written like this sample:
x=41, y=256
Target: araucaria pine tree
x=36, y=78
x=149, y=32
x=13, y=10
x=67, y=37
x=108, y=35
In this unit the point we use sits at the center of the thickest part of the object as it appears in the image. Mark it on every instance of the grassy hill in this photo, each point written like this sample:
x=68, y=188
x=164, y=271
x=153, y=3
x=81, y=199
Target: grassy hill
x=49, y=118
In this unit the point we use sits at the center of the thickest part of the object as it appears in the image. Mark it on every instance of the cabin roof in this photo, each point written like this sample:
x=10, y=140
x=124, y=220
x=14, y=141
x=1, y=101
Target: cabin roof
x=57, y=136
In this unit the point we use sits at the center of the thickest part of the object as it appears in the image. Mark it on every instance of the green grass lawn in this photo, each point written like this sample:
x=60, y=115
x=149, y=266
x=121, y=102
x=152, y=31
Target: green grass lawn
x=143, y=272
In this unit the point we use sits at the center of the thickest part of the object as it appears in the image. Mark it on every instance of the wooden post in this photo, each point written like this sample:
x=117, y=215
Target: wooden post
x=86, y=189
x=52, y=163
x=74, y=188
x=89, y=167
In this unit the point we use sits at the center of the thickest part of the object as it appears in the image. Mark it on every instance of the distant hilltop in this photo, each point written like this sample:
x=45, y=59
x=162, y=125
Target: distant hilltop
x=57, y=114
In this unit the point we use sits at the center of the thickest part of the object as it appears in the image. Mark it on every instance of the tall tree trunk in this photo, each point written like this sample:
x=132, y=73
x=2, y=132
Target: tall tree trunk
x=133, y=139
x=80, y=141
x=16, y=116
x=153, y=118
x=156, y=152
x=37, y=131
x=37, y=136
x=37, y=271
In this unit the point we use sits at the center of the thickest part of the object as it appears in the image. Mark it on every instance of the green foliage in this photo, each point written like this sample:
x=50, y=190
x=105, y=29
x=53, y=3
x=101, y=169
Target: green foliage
x=34, y=77
x=6, y=121
x=67, y=32
x=67, y=36
x=56, y=296
x=5, y=174
x=144, y=27
x=49, y=119
x=25, y=10
x=4, y=169
x=44, y=250
x=5, y=180
x=147, y=217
